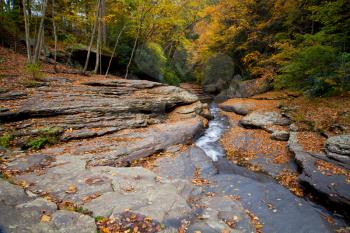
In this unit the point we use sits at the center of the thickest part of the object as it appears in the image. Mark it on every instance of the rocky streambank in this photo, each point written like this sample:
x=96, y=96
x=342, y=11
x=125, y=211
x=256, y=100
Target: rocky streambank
x=260, y=133
x=114, y=154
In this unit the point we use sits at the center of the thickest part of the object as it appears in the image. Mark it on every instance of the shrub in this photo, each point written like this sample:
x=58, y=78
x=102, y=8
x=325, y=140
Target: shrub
x=5, y=140
x=34, y=69
x=170, y=77
x=317, y=70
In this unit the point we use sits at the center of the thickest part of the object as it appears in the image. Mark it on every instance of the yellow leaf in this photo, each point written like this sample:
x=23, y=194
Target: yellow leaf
x=45, y=218
x=71, y=189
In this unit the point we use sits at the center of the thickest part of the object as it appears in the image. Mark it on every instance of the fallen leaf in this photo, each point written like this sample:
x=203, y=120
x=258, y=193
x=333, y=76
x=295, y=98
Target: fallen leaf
x=71, y=189
x=45, y=218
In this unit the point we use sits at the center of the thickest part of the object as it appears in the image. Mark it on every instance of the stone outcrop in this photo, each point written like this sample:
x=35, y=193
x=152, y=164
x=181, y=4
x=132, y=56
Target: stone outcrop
x=80, y=109
x=338, y=148
x=117, y=122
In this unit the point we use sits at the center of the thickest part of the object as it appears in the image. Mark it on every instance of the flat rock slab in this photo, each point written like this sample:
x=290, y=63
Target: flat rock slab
x=263, y=119
x=129, y=145
x=327, y=179
x=72, y=172
x=218, y=213
x=141, y=191
x=106, y=190
x=20, y=213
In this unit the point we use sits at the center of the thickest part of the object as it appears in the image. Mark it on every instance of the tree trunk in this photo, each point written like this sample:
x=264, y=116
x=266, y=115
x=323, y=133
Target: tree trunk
x=142, y=17
x=92, y=36
x=98, y=44
x=55, y=34
x=40, y=34
x=132, y=53
x=27, y=27
x=114, y=50
x=104, y=26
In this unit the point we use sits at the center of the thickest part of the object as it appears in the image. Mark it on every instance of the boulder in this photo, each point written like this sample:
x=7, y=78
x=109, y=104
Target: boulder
x=247, y=88
x=280, y=135
x=263, y=119
x=218, y=72
x=338, y=148
x=215, y=88
x=238, y=108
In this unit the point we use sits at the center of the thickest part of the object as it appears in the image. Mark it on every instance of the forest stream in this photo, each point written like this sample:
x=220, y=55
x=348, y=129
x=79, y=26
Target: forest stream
x=277, y=209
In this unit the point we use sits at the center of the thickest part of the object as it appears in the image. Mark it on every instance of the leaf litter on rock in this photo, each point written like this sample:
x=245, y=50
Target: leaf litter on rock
x=128, y=222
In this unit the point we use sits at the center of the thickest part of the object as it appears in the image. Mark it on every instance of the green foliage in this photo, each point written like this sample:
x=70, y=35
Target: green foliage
x=317, y=70
x=46, y=136
x=150, y=59
x=99, y=218
x=170, y=77
x=34, y=69
x=218, y=67
x=38, y=143
x=82, y=210
x=5, y=140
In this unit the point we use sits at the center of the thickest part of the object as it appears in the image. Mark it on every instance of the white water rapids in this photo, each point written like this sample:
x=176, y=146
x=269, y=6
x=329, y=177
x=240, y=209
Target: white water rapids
x=210, y=141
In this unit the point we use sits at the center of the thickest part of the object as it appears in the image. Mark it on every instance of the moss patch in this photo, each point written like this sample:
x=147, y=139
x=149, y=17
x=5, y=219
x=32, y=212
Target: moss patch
x=5, y=140
x=46, y=136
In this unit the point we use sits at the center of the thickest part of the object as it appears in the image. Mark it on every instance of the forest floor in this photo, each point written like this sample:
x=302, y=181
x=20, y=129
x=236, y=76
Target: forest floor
x=89, y=152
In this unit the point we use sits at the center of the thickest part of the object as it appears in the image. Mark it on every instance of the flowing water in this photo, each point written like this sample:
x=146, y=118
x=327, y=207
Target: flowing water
x=209, y=142
x=277, y=208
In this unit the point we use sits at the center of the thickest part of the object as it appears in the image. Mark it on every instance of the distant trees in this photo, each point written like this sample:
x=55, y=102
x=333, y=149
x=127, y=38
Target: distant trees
x=303, y=45
x=276, y=39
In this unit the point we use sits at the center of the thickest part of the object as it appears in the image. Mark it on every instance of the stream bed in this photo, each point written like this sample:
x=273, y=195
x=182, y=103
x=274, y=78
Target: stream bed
x=277, y=209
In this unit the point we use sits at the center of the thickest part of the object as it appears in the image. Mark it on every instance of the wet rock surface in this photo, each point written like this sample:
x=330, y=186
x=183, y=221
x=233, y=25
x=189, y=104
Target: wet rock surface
x=327, y=179
x=229, y=194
